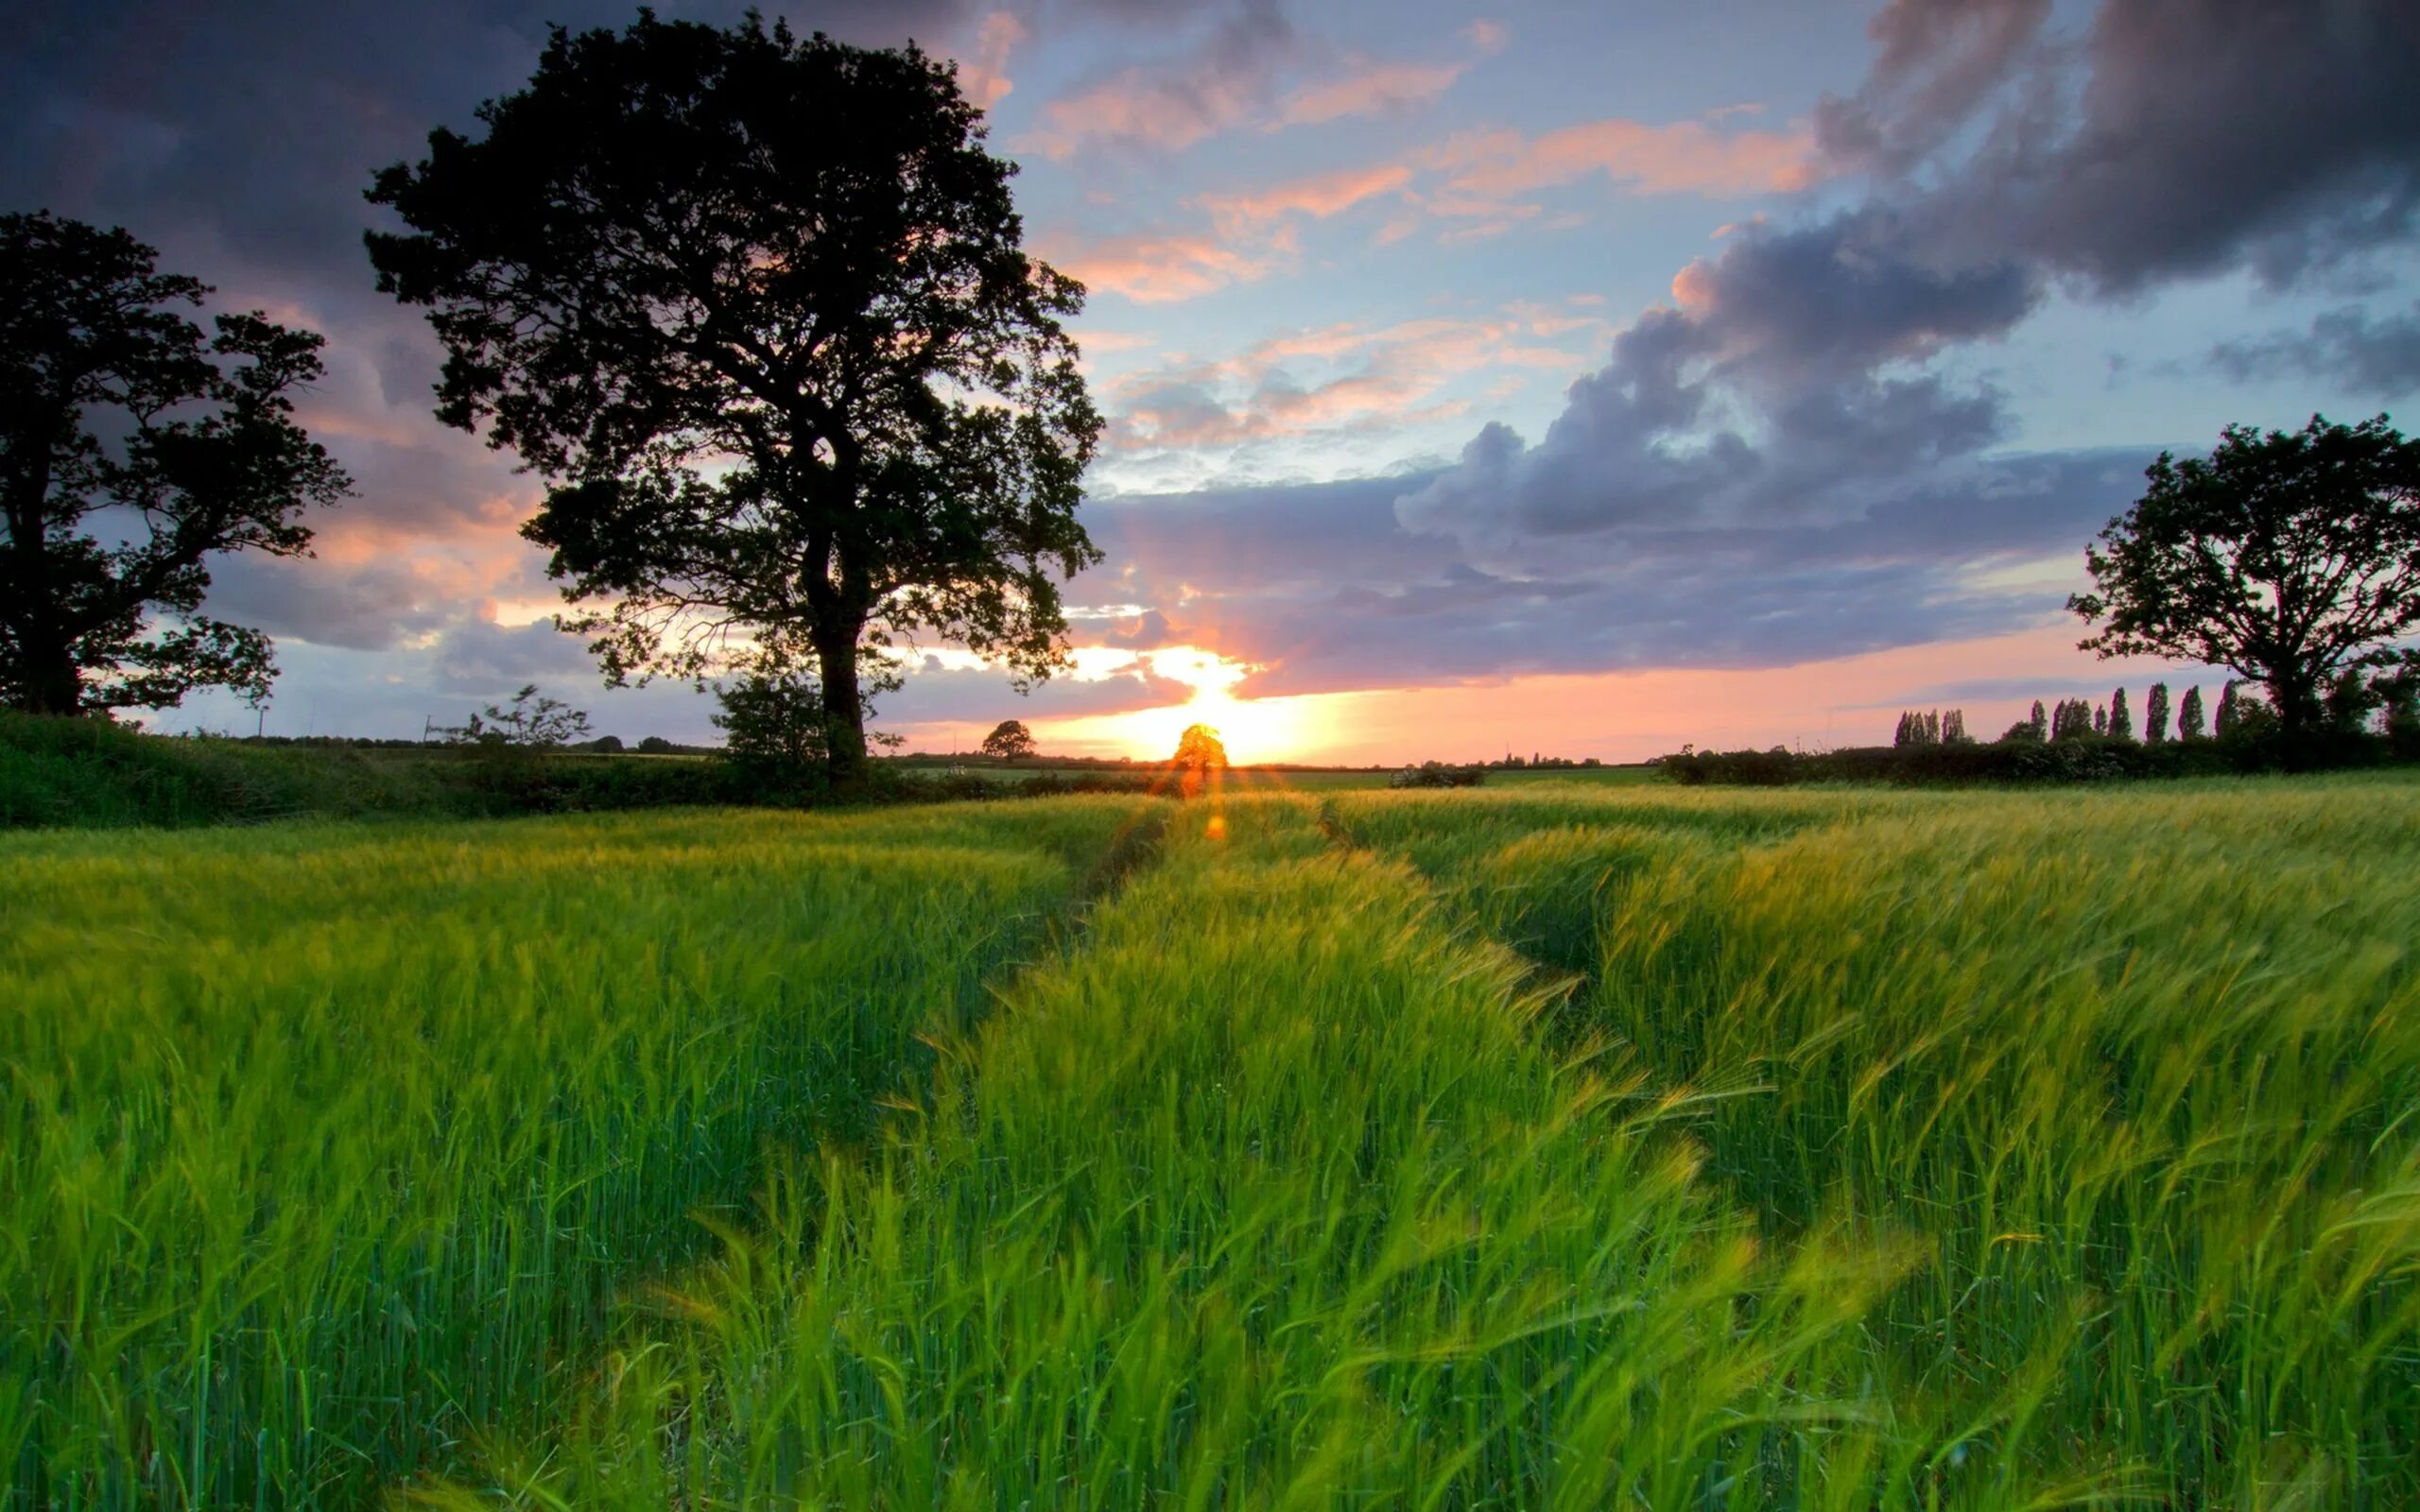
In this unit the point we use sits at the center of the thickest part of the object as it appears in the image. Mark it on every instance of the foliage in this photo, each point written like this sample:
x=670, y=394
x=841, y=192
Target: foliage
x=2189, y=716
x=655, y=746
x=2156, y=714
x=1200, y=749
x=85, y=773
x=759, y=311
x=771, y=718
x=1009, y=741
x=2074, y=758
x=1437, y=774
x=2289, y=558
x=530, y=722
x=123, y=416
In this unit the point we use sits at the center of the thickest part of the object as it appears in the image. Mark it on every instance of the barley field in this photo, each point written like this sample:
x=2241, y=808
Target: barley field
x=1542, y=1145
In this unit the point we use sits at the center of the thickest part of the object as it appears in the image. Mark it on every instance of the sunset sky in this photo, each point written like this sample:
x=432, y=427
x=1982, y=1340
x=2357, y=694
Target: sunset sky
x=1583, y=378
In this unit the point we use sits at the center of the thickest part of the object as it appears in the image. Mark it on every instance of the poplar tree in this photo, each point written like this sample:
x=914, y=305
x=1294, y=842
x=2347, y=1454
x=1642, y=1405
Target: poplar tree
x=2121, y=720
x=2188, y=715
x=2156, y=714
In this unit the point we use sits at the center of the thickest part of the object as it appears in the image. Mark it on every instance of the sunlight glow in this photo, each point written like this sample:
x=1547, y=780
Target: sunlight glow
x=1254, y=729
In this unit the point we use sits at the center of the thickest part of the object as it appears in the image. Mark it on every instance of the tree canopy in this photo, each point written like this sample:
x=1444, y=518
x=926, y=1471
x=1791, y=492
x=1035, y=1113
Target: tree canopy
x=2290, y=558
x=133, y=447
x=759, y=309
x=1009, y=741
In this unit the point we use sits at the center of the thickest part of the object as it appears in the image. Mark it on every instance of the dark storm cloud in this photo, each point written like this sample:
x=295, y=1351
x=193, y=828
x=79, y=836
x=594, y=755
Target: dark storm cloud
x=2346, y=346
x=2174, y=139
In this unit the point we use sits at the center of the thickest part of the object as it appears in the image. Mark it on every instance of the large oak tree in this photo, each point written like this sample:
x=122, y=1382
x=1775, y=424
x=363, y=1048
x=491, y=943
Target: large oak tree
x=2291, y=558
x=759, y=309
x=133, y=447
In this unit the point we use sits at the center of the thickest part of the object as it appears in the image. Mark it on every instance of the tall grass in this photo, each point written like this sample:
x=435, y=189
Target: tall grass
x=321, y=1148
x=1267, y=1195
x=1544, y=1147
x=2140, y=1071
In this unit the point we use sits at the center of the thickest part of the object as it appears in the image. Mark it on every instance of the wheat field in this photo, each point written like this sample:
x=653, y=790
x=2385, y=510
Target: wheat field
x=1541, y=1146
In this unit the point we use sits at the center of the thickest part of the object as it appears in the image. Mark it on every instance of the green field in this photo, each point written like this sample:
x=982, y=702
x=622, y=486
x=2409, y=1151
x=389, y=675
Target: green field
x=1565, y=1143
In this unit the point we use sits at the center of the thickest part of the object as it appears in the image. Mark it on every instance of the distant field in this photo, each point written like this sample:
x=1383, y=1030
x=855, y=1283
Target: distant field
x=1564, y=1142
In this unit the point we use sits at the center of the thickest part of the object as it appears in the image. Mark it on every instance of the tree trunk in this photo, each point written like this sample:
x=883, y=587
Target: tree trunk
x=48, y=682
x=844, y=719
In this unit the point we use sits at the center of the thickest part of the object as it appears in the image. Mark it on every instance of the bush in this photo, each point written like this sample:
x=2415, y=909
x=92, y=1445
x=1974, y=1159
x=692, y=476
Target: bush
x=1437, y=774
x=2251, y=746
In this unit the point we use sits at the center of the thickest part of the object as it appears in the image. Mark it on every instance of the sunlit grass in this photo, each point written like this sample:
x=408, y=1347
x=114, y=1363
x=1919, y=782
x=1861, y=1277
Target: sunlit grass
x=2139, y=1070
x=1553, y=1145
x=323, y=1147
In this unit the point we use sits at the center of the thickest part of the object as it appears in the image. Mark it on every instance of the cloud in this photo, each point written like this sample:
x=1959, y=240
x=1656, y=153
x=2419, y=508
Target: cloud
x=1227, y=79
x=1763, y=396
x=1319, y=196
x=1938, y=64
x=1330, y=592
x=1160, y=269
x=2342, y=346
x=1336, y=378
x=1681, y=157
x=1244, y=71
x=1367, y=87
x=2174, y=139
x=984, y=77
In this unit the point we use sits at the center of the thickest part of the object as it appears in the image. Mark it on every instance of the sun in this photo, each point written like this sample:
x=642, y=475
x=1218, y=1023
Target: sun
x=1253, y=729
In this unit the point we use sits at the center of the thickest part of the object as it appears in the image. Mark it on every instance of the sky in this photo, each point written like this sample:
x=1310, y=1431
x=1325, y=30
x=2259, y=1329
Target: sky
x=1575, y=378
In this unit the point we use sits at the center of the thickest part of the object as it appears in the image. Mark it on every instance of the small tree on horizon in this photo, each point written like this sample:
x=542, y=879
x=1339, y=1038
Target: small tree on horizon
x=2189, y=725
x=2122, y=719
x=1009, y=741
x=2156, y=715
x=2230, y=709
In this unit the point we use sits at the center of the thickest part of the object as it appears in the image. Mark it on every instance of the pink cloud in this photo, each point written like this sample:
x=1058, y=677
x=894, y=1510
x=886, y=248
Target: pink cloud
x=984, y=77
x=1686, y=156
x=1233, y=83
x=1369, y=88
x=1160, y=269
x=1320, y=196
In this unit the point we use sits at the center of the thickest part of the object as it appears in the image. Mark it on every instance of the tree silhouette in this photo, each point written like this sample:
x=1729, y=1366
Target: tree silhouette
x=530, y=721
x=183, y=444
x=2287, y=557
x=2156, y=714
x=758, y=309
x=2188, y=715
x=1010, y=741
x=2122, y=719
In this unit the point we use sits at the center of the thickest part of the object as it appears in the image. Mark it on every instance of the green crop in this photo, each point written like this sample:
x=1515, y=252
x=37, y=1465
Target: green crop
x=322, y=1147
x=1555, y=1146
